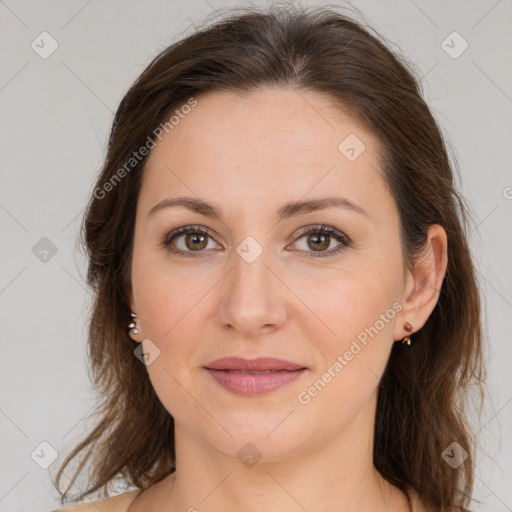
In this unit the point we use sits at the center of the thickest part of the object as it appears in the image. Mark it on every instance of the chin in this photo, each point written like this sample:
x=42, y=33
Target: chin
x=269, y=436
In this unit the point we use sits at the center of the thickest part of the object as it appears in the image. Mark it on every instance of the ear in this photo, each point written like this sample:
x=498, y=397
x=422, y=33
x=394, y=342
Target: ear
x=423, y=283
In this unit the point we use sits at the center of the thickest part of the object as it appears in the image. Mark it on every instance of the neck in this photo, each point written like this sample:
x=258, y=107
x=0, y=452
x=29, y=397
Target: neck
x=337, y=474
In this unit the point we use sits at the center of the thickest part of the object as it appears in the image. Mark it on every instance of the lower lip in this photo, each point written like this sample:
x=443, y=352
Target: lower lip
x=251, y=384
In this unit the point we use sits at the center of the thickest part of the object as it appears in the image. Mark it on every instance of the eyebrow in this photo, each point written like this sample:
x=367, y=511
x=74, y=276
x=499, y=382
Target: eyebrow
x=292, y=209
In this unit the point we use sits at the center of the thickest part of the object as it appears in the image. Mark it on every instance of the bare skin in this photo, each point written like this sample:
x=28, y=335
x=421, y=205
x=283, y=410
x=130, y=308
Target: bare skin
x=249, y=156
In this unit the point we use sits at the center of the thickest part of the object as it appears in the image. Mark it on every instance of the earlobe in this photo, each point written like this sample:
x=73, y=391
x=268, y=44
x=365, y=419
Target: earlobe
x=422, y=293
x=133, y=325
x=134, y=328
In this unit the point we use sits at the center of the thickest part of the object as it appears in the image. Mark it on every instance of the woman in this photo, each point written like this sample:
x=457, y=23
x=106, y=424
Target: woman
x=286, y=310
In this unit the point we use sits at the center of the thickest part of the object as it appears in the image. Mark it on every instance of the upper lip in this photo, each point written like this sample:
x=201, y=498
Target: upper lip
x=261, y=363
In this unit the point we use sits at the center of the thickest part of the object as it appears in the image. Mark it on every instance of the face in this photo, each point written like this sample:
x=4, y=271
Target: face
x=252, y=283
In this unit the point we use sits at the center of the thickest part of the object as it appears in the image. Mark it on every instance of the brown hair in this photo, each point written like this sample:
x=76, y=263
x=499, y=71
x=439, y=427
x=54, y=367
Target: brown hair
x=424, y=391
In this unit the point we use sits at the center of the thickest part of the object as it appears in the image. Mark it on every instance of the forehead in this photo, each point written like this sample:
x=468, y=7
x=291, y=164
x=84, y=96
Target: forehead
x=272, y=142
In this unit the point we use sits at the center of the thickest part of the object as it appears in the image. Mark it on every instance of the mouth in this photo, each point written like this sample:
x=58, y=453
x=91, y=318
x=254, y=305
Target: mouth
x=251, y=383
x=253, y=372
x=259, y=365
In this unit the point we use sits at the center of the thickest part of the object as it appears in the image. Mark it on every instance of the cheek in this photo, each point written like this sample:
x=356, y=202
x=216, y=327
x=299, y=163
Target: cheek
x=162, y=304
x=354, y=357
x=356, y=315
x=175, y=390
x=166, y=294
x=176, y=330
x=349, y=302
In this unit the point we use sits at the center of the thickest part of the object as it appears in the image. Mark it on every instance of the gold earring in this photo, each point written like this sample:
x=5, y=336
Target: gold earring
x=408, y=328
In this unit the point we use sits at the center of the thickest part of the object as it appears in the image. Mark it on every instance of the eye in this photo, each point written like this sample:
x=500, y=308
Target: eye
x=320, y=237
x=195, y=239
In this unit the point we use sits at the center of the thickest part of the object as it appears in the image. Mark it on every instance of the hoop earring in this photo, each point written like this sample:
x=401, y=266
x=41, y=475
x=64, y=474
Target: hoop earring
x=407, y=339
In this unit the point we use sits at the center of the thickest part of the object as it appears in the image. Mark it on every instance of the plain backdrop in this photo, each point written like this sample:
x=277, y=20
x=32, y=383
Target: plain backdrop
x=56, y=113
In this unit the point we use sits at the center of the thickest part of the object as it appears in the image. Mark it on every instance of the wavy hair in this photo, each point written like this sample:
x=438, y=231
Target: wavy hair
x=424, y=392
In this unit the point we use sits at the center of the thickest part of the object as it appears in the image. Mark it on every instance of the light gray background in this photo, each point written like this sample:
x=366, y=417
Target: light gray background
x=55, y=118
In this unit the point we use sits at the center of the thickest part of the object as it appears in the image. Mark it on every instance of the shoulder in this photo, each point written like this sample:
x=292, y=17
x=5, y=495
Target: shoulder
x=119, y=503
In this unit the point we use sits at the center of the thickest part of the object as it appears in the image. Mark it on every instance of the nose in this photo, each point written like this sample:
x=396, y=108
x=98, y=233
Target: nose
x=253, y=297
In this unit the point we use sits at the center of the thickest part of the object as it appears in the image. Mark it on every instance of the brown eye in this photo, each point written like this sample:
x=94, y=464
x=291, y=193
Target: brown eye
x=187, y=241
x=318, y=241
x=191, y=241
x=196, y=241
x=319, y=238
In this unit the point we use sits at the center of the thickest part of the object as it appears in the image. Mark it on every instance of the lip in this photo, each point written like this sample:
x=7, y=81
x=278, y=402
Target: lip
x=251, y=384
x=231, y=373
x=258, y=364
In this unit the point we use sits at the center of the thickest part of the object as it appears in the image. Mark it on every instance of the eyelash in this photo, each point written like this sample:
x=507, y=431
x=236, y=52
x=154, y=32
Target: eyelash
x=314, y=230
